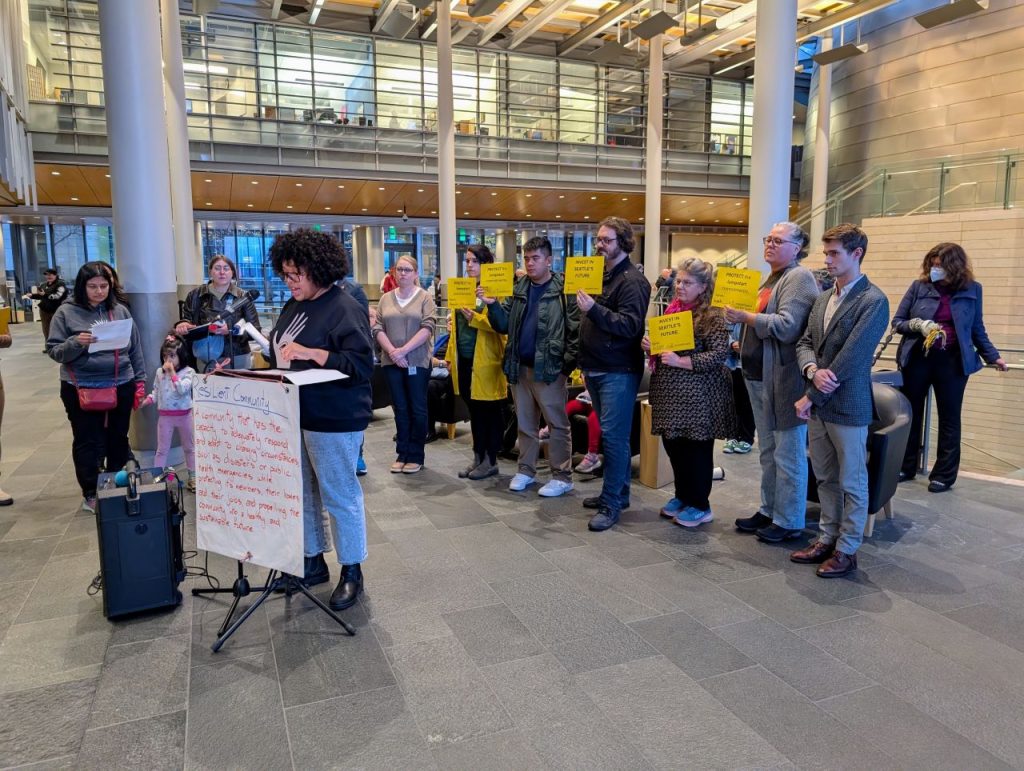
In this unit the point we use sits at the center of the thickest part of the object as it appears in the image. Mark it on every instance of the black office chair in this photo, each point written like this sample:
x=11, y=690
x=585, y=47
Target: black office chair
x=887, y=441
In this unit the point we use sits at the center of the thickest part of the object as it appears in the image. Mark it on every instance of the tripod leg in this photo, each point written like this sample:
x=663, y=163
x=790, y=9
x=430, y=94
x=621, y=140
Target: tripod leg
x=229, y=615
x=323, y=606
x=272, y=583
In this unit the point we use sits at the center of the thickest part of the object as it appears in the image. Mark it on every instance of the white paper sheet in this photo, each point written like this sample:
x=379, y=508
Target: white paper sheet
x=111, y=335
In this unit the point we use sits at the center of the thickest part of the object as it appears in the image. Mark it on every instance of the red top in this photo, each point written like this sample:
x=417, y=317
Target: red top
x=944, y=314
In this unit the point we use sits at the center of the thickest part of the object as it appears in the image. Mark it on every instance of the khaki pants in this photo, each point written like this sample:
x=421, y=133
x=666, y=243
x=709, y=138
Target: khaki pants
x=533, y=400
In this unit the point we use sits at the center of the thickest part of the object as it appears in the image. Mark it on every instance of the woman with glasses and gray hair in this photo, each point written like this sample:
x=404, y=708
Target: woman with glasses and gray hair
x=403, y=327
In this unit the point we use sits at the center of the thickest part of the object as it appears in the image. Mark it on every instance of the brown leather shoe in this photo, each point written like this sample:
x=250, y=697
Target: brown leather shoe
x=839, y=564
x=819, y=551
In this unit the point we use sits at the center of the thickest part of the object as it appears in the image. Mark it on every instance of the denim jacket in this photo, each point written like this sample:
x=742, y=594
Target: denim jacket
x=922, y=301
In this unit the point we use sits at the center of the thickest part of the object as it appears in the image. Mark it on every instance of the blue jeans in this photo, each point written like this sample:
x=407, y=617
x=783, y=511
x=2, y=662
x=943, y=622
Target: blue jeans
x=783, y=454
x=329, y=481
x=409, y=402
x=614, y=397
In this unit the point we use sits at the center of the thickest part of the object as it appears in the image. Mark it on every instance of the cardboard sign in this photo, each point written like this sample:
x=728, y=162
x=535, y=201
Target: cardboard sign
x=671, y=332
x=249, y=469
x=497, y=278
x=737, y=288
x=586, y=273
x=461, y=293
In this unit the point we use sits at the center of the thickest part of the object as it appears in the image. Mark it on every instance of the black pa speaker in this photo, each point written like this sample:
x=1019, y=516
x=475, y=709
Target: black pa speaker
x=140, y=545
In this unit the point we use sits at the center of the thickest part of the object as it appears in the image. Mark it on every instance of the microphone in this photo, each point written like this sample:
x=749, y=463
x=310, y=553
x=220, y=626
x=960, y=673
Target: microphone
x=247, y=328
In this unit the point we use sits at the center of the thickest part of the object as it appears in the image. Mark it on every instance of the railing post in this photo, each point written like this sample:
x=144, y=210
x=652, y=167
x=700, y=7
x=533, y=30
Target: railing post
x=881, y=201
x=1008, y=181
x=942, y=184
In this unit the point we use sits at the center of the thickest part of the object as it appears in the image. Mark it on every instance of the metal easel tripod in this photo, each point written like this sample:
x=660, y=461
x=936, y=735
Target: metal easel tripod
x=276, y=580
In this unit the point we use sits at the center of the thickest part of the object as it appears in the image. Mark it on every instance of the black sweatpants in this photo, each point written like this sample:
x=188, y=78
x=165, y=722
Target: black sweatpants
x=693, y=465
x=98, y=436
x=943, y=371
x=485, y=418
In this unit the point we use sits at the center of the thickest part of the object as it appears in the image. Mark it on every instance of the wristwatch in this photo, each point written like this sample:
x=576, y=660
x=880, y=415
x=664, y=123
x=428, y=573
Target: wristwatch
x=809, y=372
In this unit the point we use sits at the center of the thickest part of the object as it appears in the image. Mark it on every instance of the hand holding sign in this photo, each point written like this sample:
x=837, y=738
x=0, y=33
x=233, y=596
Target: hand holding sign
x=672, y=332
x=586, y=273
x=496, y=279
x=462, y=293
x=737, y=288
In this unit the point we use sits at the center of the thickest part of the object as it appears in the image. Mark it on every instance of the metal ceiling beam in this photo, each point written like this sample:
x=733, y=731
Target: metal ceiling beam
x=810, y=29
x=275, y=11
x=462, y=31
x=503, y=18
x=431, y=25
x=599, y=25
x=314, y=12
x=680, y=54
x=386, y=9
x=537, y=21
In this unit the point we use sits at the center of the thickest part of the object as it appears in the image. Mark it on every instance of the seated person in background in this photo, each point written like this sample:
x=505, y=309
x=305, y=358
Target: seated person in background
x=583, y=405
x=440, y=391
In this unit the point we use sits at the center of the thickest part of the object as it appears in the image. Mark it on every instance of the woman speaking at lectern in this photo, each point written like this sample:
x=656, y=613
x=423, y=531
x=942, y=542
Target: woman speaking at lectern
x=323, y=327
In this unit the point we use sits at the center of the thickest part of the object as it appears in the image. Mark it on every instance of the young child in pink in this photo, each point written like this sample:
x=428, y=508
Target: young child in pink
x=172, y=394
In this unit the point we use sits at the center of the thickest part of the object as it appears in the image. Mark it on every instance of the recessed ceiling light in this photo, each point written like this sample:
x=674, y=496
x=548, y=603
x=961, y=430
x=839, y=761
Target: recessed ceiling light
x=73, y=198
x=341, y=187
x=711, y=203
x=586, y=217
x=497, y=214
x=682, y=202
x=465, y=214
x=529, y=195
x=625, y=199
x=288, y=206
x=55, y=173
x=107, y=176
x=327, y=208
x=255, y=182
x=692, y=219
x=209, y=204
x=249, y=205
x=419, y=190
x=561, y=196
x=740, y=221
x=398, y=210
x=433, y=212
x=716, y=220
x=458, y=192
x=207, y=180
x=666, y=219
x=558, y=216
x=593, y=198
x=380, y=188
x=364, y=209
x=298, y=184
x=529, y=215
x=740, y=203
x=493, y=193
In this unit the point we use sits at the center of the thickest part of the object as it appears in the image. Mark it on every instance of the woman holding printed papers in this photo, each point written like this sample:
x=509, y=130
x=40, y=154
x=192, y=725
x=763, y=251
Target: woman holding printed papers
x=100, y=382
x=404, y=325
x=475, y=353
x=691, y=395
x=323, y=327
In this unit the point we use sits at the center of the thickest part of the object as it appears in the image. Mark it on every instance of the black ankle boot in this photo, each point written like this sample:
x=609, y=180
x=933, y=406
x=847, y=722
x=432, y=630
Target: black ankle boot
x=314, y=572
x=348, y=588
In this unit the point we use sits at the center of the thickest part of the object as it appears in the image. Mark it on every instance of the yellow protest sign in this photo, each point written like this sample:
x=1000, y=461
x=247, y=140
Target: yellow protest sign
x=462, y=293
x=5, y=319
x=671, y=332
x=586, y=273
x=737, y=288
x=497, y=278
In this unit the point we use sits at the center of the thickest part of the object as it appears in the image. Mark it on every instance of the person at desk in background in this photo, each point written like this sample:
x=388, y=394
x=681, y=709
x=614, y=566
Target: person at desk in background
x=323, y=327
x=216, y=300
x=99, y=438
x=940, y=318
x=49, y=296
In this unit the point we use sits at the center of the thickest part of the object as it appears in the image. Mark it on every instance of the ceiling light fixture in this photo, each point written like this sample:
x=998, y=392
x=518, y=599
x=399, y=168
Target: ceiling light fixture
x=255, y=182
x=55, y=173
x=298, y=184
x=381, y=189
x=327, y=208
x=249, y=205
x=73, y=198
x=209, y=204
x=288, y=206
x=207, y=180
x=341, y=187
x=107, y=176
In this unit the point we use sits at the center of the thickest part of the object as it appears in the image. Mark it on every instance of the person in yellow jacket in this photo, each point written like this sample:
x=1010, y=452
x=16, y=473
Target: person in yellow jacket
x=475, y=353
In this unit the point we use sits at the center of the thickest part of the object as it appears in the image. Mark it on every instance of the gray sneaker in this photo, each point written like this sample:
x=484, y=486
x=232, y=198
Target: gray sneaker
x=604, y=519
x=591, y=462
x=484, y=470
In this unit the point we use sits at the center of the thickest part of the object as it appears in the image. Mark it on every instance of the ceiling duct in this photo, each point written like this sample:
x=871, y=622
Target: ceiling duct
x=654, y=25
x=613, y=53
x=398, y=25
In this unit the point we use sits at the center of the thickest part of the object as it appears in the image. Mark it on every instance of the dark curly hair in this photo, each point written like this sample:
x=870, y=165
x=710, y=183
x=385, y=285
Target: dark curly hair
x=98, y=269
x=623, y=232
x=316, y=254
x=953, y=259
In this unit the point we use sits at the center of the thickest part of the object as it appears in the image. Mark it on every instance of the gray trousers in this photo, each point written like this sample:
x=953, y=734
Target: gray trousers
x=783, y=456
x=534, y=399
x=839, y=456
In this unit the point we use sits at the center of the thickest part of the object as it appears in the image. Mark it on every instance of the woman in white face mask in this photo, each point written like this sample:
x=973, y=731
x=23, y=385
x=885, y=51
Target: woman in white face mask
x=944, y=341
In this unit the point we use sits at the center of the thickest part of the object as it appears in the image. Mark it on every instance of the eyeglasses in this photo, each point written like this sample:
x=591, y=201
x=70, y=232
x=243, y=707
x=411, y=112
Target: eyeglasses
x=776, y=241
x=611, y=240
x=292, y=278
x=405, y=270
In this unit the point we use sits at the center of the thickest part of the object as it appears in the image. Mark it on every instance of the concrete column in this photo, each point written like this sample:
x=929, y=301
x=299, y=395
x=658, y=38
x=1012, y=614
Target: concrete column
x=445, y=144
x=374, y=239
x=198, y=248
x=773, y=122
x=140, y=178
x=652, y=153
x=506, y=247
x=187, y=262
x=819, y=181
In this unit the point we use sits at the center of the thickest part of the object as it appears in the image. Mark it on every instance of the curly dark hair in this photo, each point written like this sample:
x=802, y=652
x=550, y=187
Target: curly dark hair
x=316, y=254
x=623, y=232
x=850, y=236
x=482, y=252
x=98, y=269
x=953, y=259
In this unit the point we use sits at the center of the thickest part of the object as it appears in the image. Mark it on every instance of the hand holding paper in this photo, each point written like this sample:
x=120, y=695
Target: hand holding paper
x=110, y=335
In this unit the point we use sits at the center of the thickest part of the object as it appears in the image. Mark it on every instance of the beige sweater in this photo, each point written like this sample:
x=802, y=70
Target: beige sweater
x=400, y=324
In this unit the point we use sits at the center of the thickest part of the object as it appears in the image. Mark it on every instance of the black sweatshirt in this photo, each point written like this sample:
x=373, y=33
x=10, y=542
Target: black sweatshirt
x=338, y=324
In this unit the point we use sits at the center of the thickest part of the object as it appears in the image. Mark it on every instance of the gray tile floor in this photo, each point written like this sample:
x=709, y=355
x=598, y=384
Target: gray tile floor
x=497, y=632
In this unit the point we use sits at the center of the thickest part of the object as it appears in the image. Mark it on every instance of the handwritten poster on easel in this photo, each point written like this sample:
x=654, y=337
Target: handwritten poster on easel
x=249, y=469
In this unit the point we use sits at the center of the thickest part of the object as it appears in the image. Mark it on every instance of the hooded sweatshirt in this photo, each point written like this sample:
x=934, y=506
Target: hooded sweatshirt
x=94, y=370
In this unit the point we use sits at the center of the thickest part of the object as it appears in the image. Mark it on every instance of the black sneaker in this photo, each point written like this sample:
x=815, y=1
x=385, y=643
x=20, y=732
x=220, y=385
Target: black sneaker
x=753, y=524
x=604, y=519
x=775, y=534
x=595, y=503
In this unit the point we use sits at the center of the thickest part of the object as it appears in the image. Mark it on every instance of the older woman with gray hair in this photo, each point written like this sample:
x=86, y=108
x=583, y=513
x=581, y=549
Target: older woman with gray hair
x=768, y=359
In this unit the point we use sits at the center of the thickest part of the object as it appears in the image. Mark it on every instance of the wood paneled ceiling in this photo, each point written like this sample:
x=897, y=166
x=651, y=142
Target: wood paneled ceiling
x=89, y=186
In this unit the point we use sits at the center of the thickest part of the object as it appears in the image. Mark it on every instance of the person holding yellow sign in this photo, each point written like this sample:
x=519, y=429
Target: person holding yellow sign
x=691, y=394
x=475, y=354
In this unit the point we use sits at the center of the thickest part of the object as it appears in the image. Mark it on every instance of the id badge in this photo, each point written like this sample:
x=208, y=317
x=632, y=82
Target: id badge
x=412, y=371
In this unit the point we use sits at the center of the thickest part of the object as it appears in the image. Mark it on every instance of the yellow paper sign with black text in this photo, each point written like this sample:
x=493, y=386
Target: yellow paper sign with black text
x=671, y=332
x=737, y=288
x=462, y=293
x=497, y=278
x=586, y=273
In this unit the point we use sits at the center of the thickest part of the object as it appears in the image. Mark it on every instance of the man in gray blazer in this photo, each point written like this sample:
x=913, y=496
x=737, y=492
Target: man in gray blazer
x=774, y=382
x=835, y=356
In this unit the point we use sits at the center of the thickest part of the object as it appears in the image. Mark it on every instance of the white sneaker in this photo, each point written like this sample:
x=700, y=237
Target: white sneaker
x=554, y=488
x=520, y=482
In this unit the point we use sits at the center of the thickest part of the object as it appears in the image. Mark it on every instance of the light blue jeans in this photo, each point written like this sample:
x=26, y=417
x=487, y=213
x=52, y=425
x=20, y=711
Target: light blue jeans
x=839, y=455
x=783, y=455
x=329, y=480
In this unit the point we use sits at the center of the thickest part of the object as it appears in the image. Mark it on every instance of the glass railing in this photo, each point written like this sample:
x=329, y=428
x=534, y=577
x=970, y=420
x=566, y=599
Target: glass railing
x=68, y=129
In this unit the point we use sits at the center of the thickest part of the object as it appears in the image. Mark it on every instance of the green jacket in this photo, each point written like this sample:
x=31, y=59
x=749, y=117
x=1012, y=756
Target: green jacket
x=558, y=330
